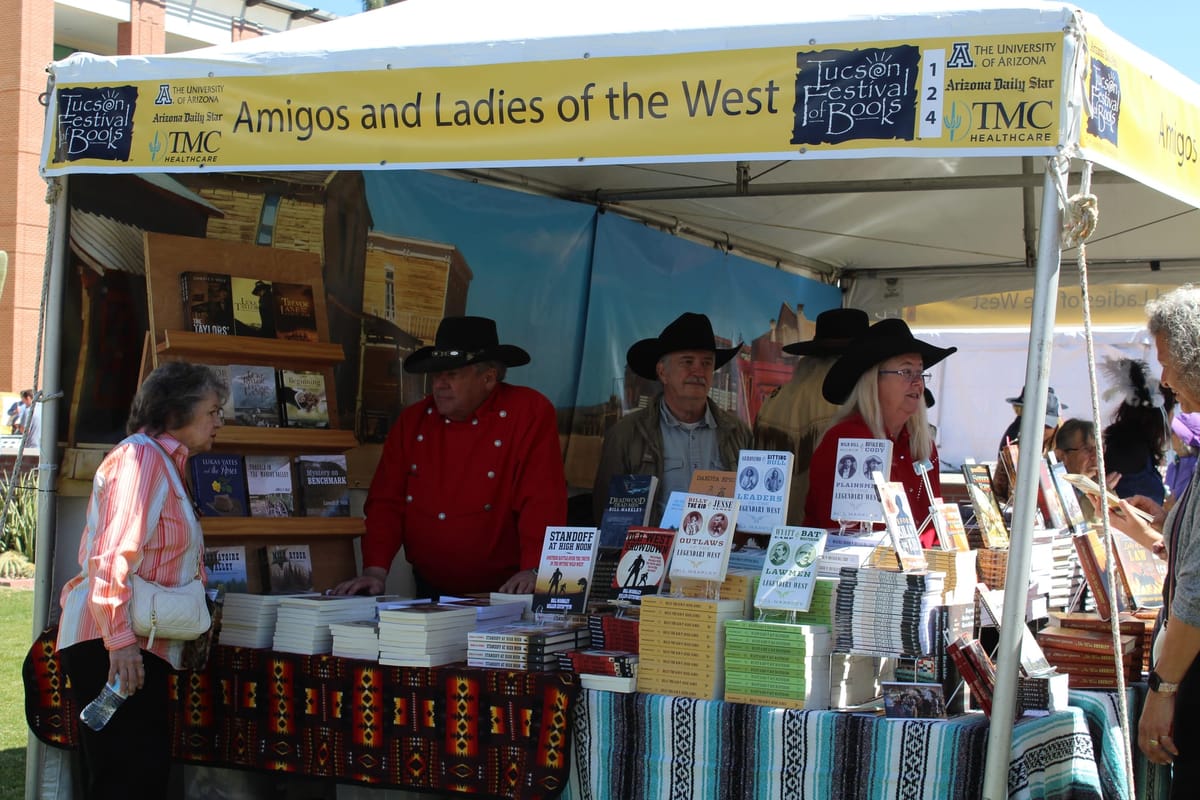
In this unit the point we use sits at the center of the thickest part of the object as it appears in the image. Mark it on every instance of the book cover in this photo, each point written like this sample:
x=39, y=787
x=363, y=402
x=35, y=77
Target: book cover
x=1066, y=495
x=714, y=482
x=1053, y=513
x=1094, y=564
x=295, y=312
x=565, y=570
x=630, y=498
x=764, y=479
x=228, y=414
x=302, y=401
x=207, y=302
x=988, y=517
x=673, y=510
x=226, y=566
x=704, y=539
x=947, y=519
x=269, y=486
x=643, y=563
x=253, y=307
x=254, y=394
x=1084, y=641
x=789, y=572
x=854, y=496
x=901, y=527
x=913, y=700
x=1143, y=571
x=324, y=488
x=287, y=568
x=219, y=484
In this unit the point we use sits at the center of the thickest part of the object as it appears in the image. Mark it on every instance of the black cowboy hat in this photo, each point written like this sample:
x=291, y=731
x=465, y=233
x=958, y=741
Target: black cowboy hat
x=883, y=340
x=688, y=332
x=836, y=328
x=460, y=341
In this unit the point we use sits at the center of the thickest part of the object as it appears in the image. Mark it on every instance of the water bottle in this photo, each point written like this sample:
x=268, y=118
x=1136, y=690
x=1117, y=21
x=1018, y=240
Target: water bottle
x=97, y=713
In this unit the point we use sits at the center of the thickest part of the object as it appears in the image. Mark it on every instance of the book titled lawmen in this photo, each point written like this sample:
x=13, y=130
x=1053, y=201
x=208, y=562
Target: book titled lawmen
x=287, y=568
x=269, y=485
x=324, y=486
x=207, y=302
x=295, y=312
x=764, y=478
x=302, y=401
x=255, y=396
x=226, y=566
x=643, y=563
x=705, y=538
x=789, y=572
x=854, y=495
x=219, y=484
x=630, y=498
x=901, y=527
x=565, y=570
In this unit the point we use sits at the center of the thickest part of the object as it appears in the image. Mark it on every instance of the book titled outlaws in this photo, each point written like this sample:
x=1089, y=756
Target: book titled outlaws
x=643, y=563
x=630, y=498
x=854, y=496
x=295, y=312
x=324, y=487
x=219, y=483
x=565, y=570
x=705, y=538
x=302, y=401
x=764, y=479
x=789, y=572
x=207, y=302
x=287, y=568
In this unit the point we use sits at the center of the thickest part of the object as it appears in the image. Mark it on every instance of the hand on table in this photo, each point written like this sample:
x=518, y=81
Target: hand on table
x=521, y=583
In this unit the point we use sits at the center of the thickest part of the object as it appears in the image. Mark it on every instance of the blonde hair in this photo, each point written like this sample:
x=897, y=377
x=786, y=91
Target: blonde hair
x=864, y=398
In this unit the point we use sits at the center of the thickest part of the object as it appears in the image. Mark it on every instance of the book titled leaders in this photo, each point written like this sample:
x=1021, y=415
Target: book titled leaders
x=705, y=538
x=324, y=487
x=789, y=572
x=854, y=496
x=565, y=570
x=764, y=479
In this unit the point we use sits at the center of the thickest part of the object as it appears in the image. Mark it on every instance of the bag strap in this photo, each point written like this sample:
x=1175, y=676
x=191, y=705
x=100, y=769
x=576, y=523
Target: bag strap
x=181, y=491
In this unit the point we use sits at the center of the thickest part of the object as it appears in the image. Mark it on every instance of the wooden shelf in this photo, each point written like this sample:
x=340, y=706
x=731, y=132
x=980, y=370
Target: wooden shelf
x=247, y=439
x=282, y=527
x=213, y=349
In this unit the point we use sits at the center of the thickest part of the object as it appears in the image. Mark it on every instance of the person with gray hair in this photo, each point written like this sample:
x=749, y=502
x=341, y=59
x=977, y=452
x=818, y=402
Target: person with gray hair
x=1169, y=730
x=140, y=520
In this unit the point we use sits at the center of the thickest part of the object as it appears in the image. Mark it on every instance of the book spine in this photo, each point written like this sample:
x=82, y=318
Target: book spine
x=1091, y=573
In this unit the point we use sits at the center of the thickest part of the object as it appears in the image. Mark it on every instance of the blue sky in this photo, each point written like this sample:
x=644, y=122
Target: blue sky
x=1165, y=28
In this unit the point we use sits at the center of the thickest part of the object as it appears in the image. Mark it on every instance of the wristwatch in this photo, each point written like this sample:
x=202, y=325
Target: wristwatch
x=1157, y=684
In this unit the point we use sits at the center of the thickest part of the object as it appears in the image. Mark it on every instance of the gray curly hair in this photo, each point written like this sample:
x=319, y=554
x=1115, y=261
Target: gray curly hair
x=1175, y=318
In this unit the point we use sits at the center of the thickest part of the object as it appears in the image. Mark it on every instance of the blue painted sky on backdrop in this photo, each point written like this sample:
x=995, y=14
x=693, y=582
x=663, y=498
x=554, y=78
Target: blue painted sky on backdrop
x=1165, y=28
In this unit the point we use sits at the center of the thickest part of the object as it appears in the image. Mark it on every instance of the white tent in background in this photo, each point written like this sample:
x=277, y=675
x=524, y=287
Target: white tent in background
x=912, y=154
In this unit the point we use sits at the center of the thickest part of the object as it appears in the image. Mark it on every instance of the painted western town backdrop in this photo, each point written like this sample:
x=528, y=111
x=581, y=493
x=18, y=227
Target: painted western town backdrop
x=970, y=93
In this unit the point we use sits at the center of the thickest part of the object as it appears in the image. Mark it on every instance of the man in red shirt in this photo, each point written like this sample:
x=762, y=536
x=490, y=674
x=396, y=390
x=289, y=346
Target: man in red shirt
x=469, y=477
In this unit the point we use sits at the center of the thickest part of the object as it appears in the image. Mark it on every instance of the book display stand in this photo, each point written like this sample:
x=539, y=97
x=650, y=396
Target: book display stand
x=170, y=338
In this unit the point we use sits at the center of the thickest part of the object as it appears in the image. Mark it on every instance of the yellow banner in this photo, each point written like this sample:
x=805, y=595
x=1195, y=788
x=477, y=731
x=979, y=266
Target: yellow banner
x=1112, y=304
x=973, y=93
x=1143, y=128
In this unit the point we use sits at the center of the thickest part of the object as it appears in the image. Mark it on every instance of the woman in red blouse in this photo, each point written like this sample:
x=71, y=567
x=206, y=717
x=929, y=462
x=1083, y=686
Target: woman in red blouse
x=880, y=384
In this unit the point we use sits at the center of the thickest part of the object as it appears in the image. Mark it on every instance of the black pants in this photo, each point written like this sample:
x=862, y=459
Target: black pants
x=1185, y=775
x=131, y=756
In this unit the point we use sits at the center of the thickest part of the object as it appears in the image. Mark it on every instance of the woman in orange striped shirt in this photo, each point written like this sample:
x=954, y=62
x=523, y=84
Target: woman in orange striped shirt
x=140, y=519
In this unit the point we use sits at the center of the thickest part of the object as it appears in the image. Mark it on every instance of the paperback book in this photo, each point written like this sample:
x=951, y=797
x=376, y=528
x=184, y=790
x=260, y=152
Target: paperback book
x=643, y=563
x=854, y=496
x=704, y=539
x=714, y=482
x=630, y=499
x=207, y=302
x=287, y=568
x=1053, y=513
x=947, y=520
x=764, y=479
x=269, y=485
x=988, y=517
x=901, y=528
x=1066, y=495
x=302, y=400
x=295, y=312
x=255, y=401
x=226, y=566
x=219, y=483
x=789, y=573
x=253, y=307
x=565, y=570
x=324, y=487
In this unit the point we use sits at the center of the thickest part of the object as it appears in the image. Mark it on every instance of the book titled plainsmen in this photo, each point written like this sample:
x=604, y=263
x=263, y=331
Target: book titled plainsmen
x=643, y=563
x=854, y=496
x=764, y=478
x=789, y=573
x=565, y=570
x=704, y=539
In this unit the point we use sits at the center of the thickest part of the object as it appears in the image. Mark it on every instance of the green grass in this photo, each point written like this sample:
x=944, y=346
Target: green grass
x=16, y=615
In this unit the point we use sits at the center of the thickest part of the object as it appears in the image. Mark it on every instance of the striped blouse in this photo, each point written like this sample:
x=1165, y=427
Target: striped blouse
x=136, y=522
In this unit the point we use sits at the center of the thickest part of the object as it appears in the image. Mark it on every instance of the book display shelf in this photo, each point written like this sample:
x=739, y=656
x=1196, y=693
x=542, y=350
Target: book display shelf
x=168, y=259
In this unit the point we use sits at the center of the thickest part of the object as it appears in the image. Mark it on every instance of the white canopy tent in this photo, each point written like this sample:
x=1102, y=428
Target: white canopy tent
x=904, y=154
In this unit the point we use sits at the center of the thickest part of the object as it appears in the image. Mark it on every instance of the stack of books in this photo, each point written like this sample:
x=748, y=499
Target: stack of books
x=992, y=567
x=1066, y=576
x=611, y=632
x=777, y=664
x=682, y=645
x=952, y=621
x=1081, y=646
x=526, y=646
x=248, y=620
x=739, y=584
x=821, y=608
x=606, y=670
x=356, y=639
x=424, y=635
x=958, y=565
x=491, y=613
x=883, y=613
x=302, y=625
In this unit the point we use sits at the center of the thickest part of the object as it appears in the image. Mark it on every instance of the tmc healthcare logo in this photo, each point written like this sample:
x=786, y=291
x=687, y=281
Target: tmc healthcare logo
x=181, y=146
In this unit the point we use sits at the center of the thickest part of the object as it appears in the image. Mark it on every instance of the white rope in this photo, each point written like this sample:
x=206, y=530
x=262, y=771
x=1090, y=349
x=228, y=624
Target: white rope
x=1080, y=215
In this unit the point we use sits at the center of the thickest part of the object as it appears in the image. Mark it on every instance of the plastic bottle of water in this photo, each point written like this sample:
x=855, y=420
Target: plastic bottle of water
x=97, y=713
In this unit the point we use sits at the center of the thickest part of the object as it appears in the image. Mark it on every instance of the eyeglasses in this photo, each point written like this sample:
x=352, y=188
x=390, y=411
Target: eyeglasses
x=908, y=375
x=217, y=413
x=1090, y=448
